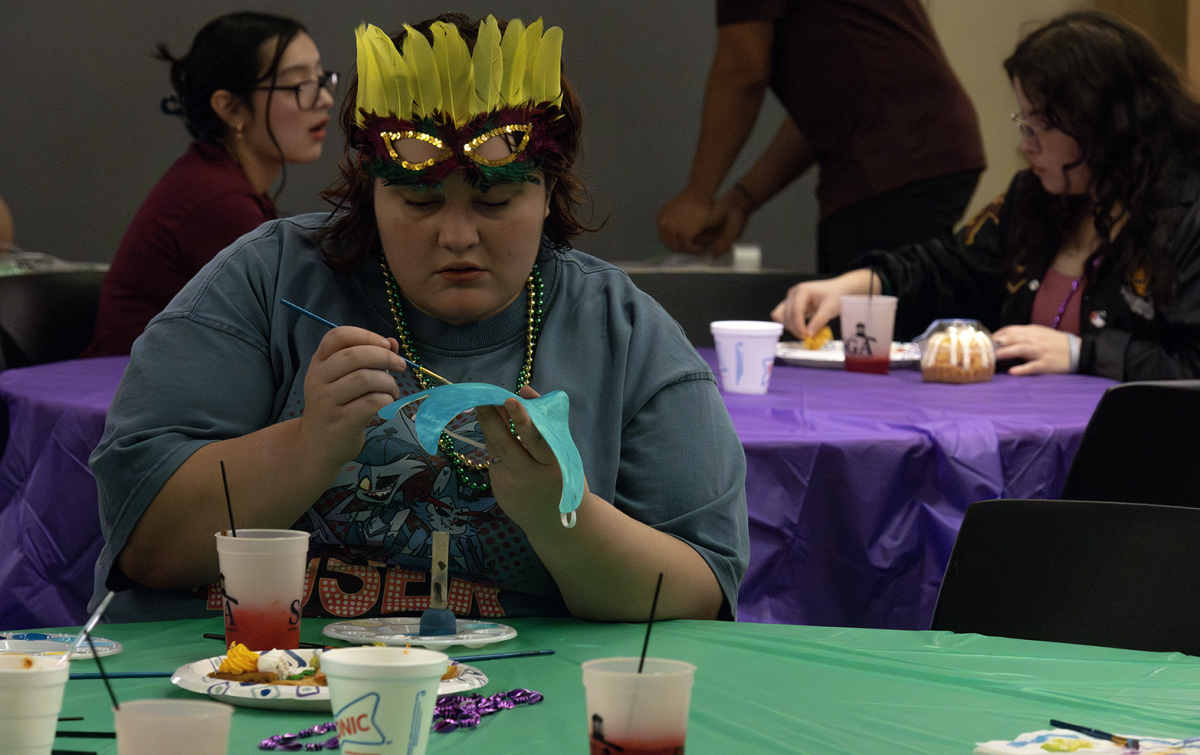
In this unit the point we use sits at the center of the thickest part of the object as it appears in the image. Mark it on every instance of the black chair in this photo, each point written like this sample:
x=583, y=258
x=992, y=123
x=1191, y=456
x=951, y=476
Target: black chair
x=1142, y=444
x=696, y=297
x=47, y=317
x=1092, y=573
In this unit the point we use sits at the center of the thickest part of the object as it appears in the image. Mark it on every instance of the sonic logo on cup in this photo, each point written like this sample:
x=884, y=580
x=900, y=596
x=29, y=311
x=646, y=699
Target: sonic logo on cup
x=356, y=722
x=294, y=618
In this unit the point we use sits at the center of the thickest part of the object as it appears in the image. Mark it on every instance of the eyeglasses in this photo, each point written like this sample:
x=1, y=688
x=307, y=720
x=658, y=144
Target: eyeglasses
x=308, y=92
x=1026, y=129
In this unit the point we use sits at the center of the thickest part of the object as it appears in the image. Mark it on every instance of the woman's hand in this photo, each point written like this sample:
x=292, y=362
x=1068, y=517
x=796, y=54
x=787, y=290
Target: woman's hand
x=346, y=384
x=810, y=306
x=524, y=472
x=1044, y=350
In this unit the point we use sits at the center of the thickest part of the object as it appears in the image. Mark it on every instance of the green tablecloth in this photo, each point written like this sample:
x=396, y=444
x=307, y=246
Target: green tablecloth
x=759, y=688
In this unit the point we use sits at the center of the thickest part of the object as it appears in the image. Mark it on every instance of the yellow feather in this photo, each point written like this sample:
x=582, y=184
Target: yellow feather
x=398, y=79
x=488, y=63
x=372, y=96
x=513, y=47
x=456, y=73
x=533, y=44
x=547, y=69
x=423, y=64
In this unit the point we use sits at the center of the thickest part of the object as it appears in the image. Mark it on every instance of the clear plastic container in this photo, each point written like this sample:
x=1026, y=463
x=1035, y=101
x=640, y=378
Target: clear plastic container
x=957, y=351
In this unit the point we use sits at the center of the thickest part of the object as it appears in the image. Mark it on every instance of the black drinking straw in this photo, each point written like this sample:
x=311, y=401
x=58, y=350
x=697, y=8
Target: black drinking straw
x=650, y=623
x=103, y=676
x=228, y=503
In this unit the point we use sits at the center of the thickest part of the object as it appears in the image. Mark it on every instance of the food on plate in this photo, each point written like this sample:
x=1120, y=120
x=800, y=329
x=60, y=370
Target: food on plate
x=818, y=339
x=957, y=351
x=245, y=666
x=280, y=663
x=279, y=667
x=239, y=659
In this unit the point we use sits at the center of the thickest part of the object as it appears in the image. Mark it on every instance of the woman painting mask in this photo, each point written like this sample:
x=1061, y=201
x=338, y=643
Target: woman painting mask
x=451, y=249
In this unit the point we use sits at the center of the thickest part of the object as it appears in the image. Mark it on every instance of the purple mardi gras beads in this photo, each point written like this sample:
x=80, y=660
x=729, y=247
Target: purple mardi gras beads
x=289, y=743
x=465, y=711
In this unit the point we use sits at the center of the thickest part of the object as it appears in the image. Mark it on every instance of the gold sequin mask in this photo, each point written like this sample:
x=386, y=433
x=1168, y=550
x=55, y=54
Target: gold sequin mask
x=430, y=108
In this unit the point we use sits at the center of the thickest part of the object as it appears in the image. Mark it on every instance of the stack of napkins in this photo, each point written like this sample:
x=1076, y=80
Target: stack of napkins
x=1063, y=740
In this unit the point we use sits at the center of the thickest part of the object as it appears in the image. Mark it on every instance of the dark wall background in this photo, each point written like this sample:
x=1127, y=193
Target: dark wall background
x=82, y=139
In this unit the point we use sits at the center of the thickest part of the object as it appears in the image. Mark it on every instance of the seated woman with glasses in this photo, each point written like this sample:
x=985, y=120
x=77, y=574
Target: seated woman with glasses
x=1091, y=261
x=253, y=93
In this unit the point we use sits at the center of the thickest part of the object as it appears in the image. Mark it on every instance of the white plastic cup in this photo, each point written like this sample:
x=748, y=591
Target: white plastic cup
x=31, y=694
x=867, y=326
x=180, y=727
x=644, y=714
x=383, y=698
x=745, y=353
x=262, y=574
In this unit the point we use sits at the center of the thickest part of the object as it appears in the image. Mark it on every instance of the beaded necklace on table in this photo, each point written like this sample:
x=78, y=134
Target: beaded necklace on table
x=463, y=464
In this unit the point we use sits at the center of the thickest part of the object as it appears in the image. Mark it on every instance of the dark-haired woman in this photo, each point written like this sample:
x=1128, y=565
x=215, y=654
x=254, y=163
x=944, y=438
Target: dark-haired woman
x=1091, y=261
x=452, y=247
x=254, y=95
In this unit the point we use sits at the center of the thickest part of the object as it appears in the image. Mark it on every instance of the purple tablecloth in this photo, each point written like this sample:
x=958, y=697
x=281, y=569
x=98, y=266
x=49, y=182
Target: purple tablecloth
x=49, y=523
x=857, y=483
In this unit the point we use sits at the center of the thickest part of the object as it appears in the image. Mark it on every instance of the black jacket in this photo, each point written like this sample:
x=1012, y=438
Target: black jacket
x=1124, y=335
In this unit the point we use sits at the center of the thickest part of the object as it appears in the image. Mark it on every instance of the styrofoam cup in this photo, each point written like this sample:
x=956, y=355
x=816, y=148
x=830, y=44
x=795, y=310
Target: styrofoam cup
x=262, y=574
x=638, y=712
x=383, y=697
x=180, y=727
x=31, y=694
x=745, y=353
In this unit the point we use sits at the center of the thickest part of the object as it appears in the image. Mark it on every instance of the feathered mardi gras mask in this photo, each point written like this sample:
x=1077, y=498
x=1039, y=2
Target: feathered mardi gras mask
x=429, y=109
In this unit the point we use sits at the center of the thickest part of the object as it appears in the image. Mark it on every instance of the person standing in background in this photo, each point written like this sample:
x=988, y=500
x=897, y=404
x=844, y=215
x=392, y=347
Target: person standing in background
x=871, y=100
x=254, y=95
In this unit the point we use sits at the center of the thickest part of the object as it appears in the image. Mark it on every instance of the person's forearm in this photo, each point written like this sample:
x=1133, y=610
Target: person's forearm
x=736, y=86
x=607, y=566
x=272, y=478
x=785, y=159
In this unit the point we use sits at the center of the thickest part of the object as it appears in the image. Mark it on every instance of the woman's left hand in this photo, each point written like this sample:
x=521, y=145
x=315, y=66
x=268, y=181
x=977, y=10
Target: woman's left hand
x=524, y=471
x=1044, y=350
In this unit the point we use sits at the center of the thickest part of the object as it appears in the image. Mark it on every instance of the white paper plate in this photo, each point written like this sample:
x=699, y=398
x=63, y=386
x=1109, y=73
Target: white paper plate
x=832, y=354
x=398, y=630
x=40, y=643
x=194, y=677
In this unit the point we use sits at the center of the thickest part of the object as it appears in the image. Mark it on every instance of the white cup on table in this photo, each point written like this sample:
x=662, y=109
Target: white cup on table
x=262, y=574
x=178, y=727
x=636, y=711
x=383, y=698
x=867, y=325
x=31, y=695
x=745, y=353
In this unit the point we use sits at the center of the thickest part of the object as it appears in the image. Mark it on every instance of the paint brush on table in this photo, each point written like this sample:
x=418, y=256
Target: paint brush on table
x=1115, y=738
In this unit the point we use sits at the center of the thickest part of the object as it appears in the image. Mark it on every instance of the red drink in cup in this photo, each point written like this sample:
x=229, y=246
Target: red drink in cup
x=631, y=713
x=878, y=365
x=262, y=575
x=271, y=627
x=637, y=748
x=867, y=326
